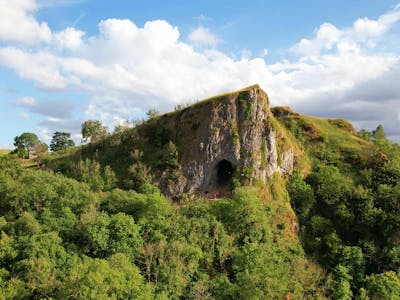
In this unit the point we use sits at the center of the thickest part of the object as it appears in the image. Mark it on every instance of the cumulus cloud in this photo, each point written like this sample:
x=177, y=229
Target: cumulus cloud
x=203, y=36
x=41, y=67
x=69, y=38
x=18, y=23
x=128, y=69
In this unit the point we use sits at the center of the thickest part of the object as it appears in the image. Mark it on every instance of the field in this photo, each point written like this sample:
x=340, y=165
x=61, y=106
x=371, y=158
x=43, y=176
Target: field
x=4, y=152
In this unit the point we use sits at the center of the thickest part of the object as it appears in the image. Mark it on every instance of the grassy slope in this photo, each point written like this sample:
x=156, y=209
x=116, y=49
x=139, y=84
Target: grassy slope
x=342, y=137
x=325, y=139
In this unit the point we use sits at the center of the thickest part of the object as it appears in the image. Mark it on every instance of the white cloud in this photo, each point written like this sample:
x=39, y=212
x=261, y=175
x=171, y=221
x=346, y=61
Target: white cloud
x=27, y=101
x=128, y=69
x=51, y=108
x=69, y=38
x=363, y=33
x=40, y=66
x=365, y=27
x=203, y=36
x=18, y=24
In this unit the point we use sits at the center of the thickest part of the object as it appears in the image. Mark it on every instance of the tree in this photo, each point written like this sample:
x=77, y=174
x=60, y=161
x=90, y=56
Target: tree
x=93, y=130
x=25, y=141
x=384, y=285
x=110, y=179
x=114, y=278
x=122, y=127
x=342, y=289
x=301, y=195
x=379, y=133
x=152, y=113
x=61, y=141
x=364, y=134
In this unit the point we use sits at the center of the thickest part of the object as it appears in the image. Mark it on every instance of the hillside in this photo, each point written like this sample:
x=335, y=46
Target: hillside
x=224, y=199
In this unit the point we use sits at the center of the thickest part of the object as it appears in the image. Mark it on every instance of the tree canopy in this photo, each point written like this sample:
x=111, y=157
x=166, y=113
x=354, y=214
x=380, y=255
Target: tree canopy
x=61, y=141
x=93, y=130
x=25, y=141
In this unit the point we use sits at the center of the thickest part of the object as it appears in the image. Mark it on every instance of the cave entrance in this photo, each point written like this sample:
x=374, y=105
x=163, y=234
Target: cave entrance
x=225, y=171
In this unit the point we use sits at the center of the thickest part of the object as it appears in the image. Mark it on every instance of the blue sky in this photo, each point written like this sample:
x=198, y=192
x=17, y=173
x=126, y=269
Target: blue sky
x=63, y=62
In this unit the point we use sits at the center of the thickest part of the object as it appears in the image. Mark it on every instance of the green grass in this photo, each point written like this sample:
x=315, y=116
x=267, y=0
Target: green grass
x=332, y=141
x=4, y=152
x=211, y=99
x=335, y=135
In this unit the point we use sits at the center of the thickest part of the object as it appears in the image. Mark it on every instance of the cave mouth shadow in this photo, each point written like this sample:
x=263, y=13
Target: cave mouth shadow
x=225, y=171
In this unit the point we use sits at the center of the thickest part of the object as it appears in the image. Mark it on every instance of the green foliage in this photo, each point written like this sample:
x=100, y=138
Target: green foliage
x=61, y=141
x=342, y=289
x=379, y=133
x=25, y=141
x=105, y=235
x=110, y=179
x=245, y=104
x=94, y=175
x=119, y=128
x=383, y=286
x=93, y=131
x=152, y=113
x=329, y=184
x=244, y=175
x=114, y=278
x=170, y=162
x=366, y=135
x=347, y=203
x=235, y=133
x=170, y=156
x=376, y=135
x=59, y=239
x=139, y=174
x=302, y=195
x=263, y=155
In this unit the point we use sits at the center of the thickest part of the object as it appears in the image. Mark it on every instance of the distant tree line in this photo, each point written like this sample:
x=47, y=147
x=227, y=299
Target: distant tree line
x=91, y=131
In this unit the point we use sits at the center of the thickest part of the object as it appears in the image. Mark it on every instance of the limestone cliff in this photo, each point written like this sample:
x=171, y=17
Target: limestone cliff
x=228, y=136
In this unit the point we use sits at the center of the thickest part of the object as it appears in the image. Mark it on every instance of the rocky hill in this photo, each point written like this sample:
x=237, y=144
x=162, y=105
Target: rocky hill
x=228, y=139
x=227, y=136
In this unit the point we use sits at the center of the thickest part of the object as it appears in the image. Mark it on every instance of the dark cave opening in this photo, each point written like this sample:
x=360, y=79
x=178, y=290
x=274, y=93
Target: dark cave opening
x=225, y=171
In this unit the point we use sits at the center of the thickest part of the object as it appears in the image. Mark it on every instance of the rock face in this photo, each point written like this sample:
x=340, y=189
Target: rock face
x=229, y=137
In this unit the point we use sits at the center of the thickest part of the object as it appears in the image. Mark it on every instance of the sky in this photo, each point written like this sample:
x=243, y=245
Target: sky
x=66, y=61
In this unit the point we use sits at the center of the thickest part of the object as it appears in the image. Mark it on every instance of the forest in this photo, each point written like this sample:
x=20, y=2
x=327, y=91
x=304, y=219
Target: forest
x=81, y=228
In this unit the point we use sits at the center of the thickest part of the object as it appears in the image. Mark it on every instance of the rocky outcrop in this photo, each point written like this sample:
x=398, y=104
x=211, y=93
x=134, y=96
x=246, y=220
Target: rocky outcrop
x=225, y=137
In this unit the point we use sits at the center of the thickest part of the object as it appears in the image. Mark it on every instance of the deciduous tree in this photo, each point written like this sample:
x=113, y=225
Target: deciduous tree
x=25, y=141
x=93, y=130
x=61, y=141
